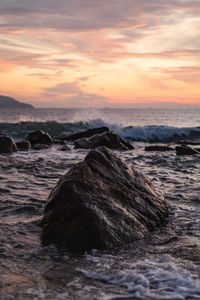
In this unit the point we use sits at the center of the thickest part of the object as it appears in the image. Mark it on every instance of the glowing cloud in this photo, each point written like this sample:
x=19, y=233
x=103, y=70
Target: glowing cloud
x=107, y=51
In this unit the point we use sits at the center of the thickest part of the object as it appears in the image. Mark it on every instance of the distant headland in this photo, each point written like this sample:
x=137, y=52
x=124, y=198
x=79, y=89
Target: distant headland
x=8, y=102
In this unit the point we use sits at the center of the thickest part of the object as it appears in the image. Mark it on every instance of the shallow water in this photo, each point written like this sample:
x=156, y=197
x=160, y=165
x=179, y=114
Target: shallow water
x=165, y=265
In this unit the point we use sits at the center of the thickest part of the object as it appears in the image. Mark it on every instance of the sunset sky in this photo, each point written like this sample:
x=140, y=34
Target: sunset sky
x=79, y=53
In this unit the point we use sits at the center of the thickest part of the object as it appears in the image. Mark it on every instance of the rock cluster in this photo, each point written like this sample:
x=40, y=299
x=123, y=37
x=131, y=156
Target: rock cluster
x=84, y=134
x=108, y=139
x=89, y=139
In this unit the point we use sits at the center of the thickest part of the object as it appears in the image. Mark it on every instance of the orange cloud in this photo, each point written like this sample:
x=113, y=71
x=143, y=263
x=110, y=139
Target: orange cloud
x=6, y=66
x=131, y=51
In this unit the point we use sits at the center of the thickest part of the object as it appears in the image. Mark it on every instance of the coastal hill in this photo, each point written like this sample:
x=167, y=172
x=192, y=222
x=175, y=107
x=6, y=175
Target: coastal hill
x=8, y=102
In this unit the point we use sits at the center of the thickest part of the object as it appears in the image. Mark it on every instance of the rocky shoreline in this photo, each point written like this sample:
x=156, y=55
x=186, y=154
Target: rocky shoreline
x=167, y=258
x=101, y=202
x=89, y=139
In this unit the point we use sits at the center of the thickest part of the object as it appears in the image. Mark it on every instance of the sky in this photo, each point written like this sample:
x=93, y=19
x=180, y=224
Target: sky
x=96, y=53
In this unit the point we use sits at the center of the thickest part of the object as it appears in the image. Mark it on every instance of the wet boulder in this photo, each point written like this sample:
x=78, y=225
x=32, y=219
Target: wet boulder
x=186, y=150
x=23, y=145
x=83, y=134
x=39, y=137
x=158, y=148
x=101, y=203
x=108, y=139
x=7, y=144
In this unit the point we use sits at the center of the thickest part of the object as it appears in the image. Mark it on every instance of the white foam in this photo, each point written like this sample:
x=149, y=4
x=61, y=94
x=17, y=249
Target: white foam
x=162, y=133
x=147, y=133
x=164, y=279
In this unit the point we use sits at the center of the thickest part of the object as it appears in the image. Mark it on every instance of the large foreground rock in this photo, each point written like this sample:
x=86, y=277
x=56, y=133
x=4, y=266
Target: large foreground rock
x=101, y=203
x=7, y=144
x=109, y=139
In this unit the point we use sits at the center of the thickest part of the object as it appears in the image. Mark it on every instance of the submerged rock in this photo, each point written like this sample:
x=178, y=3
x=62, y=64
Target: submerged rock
x=39, y=137
x=40, y=146
x=186, y=150
x=101, y=203
x=108, y=139
x=83, y=134
x=184, y=143
x=65, y=148
x=7, y=144
x=23, y=145
x=158, y=148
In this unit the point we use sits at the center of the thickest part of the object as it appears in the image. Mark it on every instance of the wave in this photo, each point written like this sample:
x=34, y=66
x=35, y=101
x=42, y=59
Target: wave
x=150, y=133
x=163, y=279
x=163, y=134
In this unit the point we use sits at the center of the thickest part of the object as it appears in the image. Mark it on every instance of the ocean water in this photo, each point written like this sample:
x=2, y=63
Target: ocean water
x=165, y=265
x=149, y=125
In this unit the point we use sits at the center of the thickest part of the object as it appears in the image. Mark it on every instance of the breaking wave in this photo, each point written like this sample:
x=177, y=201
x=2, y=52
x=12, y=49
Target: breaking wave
x=149, y=133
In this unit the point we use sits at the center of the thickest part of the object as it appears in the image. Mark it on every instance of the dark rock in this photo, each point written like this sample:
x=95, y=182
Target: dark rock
x=58, y=141
x=7, y=144
x=108, y=139
x=188, y=143
x=40, y=146
x=83, y=134
x=158, y=148
x=39, y=137
x=101, y=203
x=23, y=145
x=186, y=150
x=65, y=148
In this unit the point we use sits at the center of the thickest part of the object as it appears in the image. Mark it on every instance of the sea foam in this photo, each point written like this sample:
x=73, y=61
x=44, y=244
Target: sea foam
x=162, y=279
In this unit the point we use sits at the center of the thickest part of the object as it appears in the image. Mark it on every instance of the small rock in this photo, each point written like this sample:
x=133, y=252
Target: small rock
x=185, y=150
x=58, y=141
x=23, y=145
x=65, y=148
x=188, y=143
x=40, y=146
x=7, y=144
x=39, y=137
x=158, y=148
x=109, y=139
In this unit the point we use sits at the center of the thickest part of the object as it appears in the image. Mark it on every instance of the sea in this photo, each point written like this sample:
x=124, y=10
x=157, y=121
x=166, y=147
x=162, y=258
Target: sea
x=165, y=265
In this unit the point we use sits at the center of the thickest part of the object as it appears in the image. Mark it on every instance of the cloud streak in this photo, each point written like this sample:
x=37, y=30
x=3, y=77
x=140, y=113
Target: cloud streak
x=72, y=94
x=89, y=15
x=53, y=43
